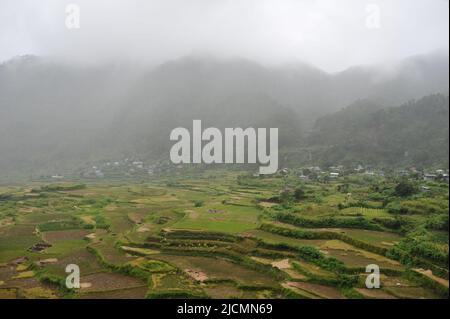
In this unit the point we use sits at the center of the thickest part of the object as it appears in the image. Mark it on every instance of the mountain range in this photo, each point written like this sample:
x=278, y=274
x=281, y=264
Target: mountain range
x=56, y=116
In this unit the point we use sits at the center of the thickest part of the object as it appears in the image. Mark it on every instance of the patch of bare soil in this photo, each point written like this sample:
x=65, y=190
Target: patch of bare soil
x=197, y=275
x=285, y=266
x=54, y=236
x=385, y=243
x=143, y=229
x=103, y=281
x=47, y=261
x=84, y=285
x=91, y=236
x=281, y=264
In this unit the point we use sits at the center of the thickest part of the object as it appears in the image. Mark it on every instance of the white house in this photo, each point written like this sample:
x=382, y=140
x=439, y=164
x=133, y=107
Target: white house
x=334, y=175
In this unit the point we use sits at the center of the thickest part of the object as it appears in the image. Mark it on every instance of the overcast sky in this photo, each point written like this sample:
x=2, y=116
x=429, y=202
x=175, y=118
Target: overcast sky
x=331, y=34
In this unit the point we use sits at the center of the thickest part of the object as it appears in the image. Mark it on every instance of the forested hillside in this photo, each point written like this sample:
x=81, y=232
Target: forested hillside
x=56, y=117
x=415, y=133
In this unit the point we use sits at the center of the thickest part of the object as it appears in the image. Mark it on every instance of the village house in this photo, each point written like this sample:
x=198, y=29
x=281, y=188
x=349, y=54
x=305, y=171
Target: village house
x=334, y=175
x=138, y=164
x=303, y=177
x=403, y=173
x=98, y=173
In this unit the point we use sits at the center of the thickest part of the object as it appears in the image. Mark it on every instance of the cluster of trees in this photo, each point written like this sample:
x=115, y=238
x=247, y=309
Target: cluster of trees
x=405, y=189
x=58, y=188
x=70, y=224
x=410, y=254
x=415, y=133
x=419, y=206
x=302, y=234
x=186, y=234
x=327, y=222
x=308, y=253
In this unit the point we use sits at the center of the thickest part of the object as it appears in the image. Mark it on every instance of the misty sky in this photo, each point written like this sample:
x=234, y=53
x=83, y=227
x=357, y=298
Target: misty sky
x=331, y=34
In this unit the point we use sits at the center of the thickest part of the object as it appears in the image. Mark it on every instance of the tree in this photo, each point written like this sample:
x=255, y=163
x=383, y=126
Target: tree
x=286, y=196
x=343, y=188
x=405, y=189
x=299, y=194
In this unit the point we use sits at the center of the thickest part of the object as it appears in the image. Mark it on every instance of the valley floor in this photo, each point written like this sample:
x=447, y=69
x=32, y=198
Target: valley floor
x=218, y=235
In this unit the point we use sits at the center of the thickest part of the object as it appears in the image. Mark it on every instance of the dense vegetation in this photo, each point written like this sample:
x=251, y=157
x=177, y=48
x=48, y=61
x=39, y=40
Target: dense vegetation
x=415, y=133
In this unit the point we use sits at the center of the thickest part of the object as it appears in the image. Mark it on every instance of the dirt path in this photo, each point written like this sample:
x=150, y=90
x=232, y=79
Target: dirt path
x=428, y=273
x=197, y=275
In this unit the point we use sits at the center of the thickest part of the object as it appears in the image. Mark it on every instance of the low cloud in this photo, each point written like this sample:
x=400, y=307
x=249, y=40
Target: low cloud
x=330, y=34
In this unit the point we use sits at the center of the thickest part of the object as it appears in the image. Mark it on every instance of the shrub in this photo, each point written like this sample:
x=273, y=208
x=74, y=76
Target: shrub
x=328, y=222
x=299, y=194
x=198, y=203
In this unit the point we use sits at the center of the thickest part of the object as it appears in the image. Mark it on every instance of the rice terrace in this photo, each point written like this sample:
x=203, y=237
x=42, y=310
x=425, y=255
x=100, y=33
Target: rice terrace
x=224, y=234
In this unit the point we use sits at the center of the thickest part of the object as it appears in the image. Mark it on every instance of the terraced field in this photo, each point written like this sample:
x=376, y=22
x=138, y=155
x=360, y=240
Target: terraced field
x=218, y=235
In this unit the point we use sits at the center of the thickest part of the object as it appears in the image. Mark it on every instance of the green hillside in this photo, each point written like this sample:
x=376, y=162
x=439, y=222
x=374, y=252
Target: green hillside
x=415, y=133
